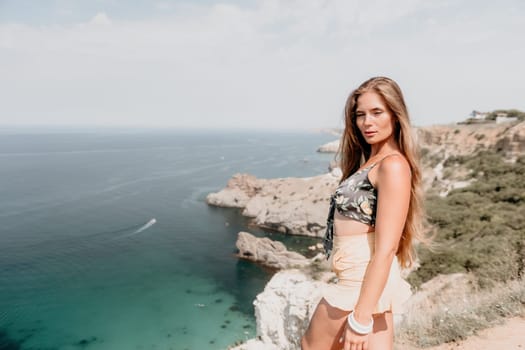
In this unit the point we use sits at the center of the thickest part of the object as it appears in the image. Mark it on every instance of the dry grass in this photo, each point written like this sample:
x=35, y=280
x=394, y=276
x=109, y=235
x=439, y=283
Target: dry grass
x=462, y=316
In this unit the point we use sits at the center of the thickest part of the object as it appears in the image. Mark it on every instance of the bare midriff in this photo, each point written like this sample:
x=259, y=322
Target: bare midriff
x=344, y=226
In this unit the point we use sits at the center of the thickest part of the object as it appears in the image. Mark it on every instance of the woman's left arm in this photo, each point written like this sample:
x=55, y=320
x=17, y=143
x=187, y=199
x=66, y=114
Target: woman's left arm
x=393, y=187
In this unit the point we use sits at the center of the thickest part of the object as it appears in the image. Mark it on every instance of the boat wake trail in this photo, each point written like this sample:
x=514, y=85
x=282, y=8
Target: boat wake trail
x=140, y=229
x=145, y=227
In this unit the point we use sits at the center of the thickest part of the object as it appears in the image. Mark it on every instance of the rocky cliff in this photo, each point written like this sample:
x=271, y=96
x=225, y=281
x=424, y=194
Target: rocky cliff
x=287, y=205
x=284, y=308
x=299, y=205
x=283, y=311
x=267, y=252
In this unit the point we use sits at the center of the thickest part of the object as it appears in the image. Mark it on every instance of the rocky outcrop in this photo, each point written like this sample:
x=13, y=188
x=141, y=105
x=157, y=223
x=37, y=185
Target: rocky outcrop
x=442, y=141
x=238, y=192
x=513, y=140
x=466, y=139
x=288, y=205
x=330, y=147
x=283, y=311
x=438, y=143
x=285, y=307
x=267, y=252
x=300, y=205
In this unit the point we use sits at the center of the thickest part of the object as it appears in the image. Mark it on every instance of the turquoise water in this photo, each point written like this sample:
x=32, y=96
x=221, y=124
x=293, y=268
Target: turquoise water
x=106, y=241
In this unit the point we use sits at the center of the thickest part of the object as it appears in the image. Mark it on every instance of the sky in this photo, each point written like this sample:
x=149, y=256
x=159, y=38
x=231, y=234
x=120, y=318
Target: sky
x=257, y=64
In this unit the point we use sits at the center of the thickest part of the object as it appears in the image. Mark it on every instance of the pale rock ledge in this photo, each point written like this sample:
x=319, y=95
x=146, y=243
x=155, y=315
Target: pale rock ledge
x=288, y=205
x=267, y=252
x=283, y=311
x=330, y=147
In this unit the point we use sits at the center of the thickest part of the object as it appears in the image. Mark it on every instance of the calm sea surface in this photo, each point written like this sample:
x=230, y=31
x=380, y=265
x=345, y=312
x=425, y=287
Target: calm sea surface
x=106, y=241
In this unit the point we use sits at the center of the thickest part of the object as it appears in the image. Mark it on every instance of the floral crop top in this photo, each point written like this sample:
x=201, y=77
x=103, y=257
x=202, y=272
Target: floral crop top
x=356, y=197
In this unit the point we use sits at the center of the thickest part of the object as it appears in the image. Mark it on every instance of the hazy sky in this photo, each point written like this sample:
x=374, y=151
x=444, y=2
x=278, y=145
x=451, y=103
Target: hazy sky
x=253, y=64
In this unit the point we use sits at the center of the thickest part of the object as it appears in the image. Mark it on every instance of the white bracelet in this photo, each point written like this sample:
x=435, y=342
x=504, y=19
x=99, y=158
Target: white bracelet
x=358, y=327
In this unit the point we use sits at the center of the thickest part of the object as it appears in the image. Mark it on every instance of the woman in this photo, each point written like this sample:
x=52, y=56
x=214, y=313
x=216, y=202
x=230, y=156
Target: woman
x=377, y=215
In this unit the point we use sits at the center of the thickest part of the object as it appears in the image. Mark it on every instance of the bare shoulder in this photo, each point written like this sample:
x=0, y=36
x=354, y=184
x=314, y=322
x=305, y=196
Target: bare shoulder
x=394, y=170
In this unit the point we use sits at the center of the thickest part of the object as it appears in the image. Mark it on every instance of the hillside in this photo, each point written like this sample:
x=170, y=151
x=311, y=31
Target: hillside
x=471, y=278
x=441, y=144
x=475, y=201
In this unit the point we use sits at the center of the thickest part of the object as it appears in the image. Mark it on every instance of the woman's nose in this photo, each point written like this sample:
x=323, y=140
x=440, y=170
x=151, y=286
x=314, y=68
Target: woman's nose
x=367, y=119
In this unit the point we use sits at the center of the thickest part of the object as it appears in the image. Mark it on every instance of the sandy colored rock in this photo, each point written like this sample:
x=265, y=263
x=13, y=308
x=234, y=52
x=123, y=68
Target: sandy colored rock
x=238, y=191
x=283, y=311
x=443, y=141
x=288, y=205
x=267, y=252
x=330, y=147
x=466, y=139
x=280, y=328
x=300, y=205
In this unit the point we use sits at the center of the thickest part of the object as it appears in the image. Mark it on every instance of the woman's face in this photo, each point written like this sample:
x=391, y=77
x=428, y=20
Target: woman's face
x=373, y=118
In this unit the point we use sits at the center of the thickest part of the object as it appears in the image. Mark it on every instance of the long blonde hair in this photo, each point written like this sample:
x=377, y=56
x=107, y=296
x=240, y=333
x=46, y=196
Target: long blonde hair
x=354, y=150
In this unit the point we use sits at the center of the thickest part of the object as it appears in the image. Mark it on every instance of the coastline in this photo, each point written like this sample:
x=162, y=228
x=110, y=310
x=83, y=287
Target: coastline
x=259, y=200
x=72, y=260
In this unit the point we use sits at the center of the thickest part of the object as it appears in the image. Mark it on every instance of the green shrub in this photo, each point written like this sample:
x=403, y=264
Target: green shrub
x=432, y=159
x=481, y=227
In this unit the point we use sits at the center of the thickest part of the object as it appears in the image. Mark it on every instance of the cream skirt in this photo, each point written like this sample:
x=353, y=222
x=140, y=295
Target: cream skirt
x=349, y=260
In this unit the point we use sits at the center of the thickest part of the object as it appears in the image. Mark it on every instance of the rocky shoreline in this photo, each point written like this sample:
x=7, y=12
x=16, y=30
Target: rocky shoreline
x=288, y=205
x=299, y=206
x=269, y=253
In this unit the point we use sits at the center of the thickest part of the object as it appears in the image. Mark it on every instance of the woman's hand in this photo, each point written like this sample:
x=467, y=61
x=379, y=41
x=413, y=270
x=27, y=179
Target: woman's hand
x=353, y=340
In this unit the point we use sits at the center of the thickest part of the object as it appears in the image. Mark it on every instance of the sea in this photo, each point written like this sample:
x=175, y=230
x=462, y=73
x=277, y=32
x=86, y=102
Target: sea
x=107, y=242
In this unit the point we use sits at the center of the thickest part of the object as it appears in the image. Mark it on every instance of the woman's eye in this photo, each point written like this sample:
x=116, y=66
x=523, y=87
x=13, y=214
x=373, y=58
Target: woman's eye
x=377, y=112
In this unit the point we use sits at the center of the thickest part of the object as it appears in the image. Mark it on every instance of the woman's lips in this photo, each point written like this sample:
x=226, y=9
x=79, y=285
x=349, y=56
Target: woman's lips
x=370, y=133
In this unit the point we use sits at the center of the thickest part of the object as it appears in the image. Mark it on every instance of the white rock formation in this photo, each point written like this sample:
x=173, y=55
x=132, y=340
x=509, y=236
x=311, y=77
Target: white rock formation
x=300, y=205
x=330, y=147
x=238, y=192
x=285, y=307
x=288, y=205
x=283, y=311
x=267, y=252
